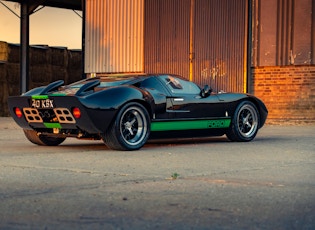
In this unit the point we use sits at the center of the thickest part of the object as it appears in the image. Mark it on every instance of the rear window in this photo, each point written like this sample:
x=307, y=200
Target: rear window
x=115, y=82
x=108, y=82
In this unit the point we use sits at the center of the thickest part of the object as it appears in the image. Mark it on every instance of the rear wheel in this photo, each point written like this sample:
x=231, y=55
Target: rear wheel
x=245, y=122
x=130, y=129
x=41, y=139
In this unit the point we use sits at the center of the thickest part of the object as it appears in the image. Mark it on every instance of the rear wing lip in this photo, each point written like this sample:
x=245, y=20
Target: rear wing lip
x=51, y=87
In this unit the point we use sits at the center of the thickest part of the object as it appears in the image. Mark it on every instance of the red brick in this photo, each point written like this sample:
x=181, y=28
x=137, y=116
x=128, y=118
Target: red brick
x=289, y=92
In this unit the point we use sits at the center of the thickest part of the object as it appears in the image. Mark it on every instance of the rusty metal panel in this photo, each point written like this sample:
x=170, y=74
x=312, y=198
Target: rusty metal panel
x=267, y=29
x=220, y=44
x=114, y=36
x=283, y=32
x=167, y=36
x=302, y=30
x=216, y=47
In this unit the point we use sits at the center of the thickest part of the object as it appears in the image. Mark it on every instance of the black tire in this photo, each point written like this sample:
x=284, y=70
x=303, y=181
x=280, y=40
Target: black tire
x=130, y=129
x=40, y=139
x=245, y=123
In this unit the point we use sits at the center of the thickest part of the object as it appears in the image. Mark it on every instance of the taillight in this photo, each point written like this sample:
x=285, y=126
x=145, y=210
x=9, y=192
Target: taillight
x=76, y=112
x=18, y=112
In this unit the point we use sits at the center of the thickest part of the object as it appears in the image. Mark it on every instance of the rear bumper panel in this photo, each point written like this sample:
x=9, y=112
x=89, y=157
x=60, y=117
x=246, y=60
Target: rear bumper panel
x=60, y=116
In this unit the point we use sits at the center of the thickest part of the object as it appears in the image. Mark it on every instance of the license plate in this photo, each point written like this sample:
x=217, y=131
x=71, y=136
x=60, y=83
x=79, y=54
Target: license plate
x=42, y=103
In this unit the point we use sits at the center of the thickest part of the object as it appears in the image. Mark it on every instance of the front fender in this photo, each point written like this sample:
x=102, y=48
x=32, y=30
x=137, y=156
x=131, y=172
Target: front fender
x=234, y=98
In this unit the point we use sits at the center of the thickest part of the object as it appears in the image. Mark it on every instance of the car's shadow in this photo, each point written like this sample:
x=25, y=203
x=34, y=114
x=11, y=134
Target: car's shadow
x=190, y=140
x=90, y=145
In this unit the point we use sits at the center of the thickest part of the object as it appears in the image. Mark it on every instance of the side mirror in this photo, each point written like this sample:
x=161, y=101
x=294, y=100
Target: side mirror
x=206, y=91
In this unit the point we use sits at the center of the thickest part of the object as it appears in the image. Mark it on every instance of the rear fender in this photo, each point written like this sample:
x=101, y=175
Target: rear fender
x=114, y=98
x=104, y=105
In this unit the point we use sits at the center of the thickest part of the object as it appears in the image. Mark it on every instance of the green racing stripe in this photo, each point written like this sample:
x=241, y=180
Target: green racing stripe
x=52, y=125
x=43, y=97
x=190, y=124
x=40, y=97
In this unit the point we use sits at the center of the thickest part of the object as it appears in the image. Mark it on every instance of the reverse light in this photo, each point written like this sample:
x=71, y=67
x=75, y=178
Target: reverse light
x=76, y=112
x=18, y=112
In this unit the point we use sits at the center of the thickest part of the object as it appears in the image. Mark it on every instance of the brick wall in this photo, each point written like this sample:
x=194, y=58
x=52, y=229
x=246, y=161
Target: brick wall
x=288, y=92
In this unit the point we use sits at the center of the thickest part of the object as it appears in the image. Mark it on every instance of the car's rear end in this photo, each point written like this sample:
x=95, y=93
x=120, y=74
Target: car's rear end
x=52, y=114
x=84, y=109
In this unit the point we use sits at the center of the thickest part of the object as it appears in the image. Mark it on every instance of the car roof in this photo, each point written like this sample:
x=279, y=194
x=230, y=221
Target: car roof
x=125, y=76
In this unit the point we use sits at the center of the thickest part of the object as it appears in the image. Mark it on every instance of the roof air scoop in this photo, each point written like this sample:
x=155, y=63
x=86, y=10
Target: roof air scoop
x=87, y=86
x=52, y=86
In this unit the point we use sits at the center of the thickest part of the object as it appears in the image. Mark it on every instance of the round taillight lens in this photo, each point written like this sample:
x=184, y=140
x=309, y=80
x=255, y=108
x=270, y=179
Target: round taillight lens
x=76, y=113
x=18, y=112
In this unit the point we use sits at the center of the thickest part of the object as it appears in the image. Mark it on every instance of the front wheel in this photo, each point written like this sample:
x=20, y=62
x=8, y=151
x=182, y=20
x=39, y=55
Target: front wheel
x=245, y=122
x=41, y=139
x=130, y=129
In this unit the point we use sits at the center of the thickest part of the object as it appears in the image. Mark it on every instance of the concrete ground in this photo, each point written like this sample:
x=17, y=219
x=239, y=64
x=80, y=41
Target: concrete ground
x=208, y=183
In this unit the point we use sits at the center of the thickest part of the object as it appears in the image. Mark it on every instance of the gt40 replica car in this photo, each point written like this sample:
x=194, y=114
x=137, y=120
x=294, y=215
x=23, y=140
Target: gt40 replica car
x=125, y=110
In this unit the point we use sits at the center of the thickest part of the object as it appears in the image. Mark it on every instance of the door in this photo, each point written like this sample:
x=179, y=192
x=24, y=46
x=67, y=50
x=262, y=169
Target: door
x=186, y=102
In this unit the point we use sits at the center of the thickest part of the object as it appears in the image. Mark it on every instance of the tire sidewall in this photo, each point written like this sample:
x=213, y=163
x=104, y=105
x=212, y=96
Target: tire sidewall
x=33, y=137
x=117, y=124
x=235, y=134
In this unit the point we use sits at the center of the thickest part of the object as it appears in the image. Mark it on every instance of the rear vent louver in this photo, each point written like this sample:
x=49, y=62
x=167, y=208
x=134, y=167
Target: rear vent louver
x=63, y=115
x=32, y=115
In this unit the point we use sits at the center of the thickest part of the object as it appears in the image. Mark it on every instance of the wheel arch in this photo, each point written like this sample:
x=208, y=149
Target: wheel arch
x=130, y=128
x=144, y=103
x=245, y=121
x=262, y=109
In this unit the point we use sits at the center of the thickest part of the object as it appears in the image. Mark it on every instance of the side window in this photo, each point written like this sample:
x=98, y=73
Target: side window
x=174, y=84
x=177, y=85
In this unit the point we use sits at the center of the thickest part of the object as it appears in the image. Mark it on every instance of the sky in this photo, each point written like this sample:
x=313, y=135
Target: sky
x=48, y=26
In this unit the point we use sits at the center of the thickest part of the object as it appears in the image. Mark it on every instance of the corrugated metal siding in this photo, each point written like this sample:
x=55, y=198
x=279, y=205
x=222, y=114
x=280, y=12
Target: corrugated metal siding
x=219, y=55
x=167, y=36
x=284, y=32
x=220, y=44
x=114, y=36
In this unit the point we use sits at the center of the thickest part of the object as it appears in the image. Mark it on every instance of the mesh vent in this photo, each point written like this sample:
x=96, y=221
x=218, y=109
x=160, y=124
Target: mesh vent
x=64, y=116
x=32, y=115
